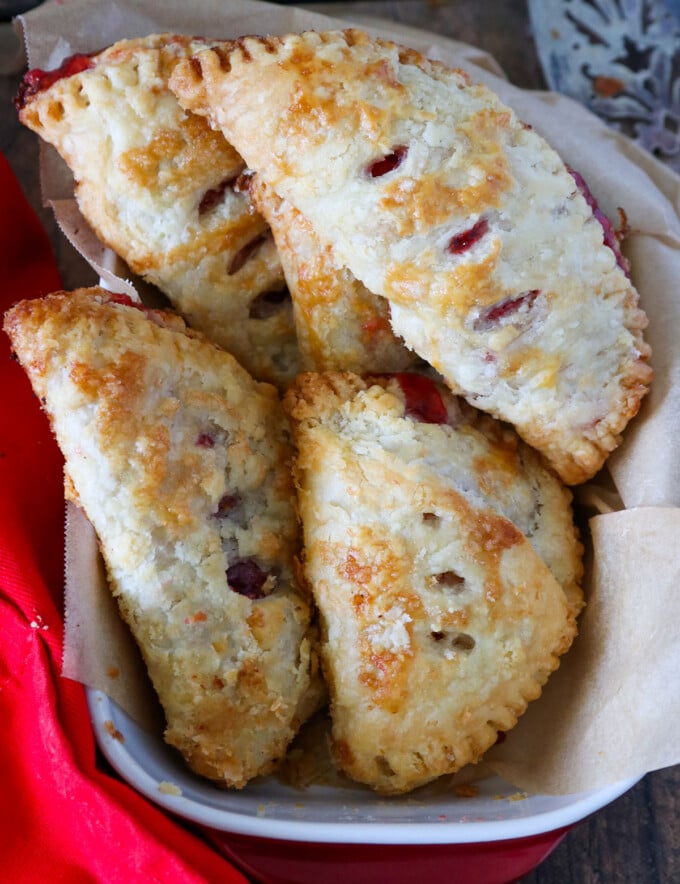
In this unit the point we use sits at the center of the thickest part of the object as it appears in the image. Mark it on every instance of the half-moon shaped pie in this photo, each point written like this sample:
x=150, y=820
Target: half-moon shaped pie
x=499, y=271
x=429, y=544
x=181, y=462
x=159, y=187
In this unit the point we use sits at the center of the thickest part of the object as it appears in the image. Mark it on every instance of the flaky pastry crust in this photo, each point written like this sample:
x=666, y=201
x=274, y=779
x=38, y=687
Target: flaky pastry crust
x=158, y=186
x=440, y=618
x=340, y=324
x=436, y=196
x=181, y=462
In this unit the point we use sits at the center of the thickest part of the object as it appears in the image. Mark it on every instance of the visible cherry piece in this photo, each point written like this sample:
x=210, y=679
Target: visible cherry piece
x=227, y=503
x=125, y=300
x=608, y=233
x=213, y=197
x=156, y=316
x=247, y=578
x=423, y=401
x=504, y=310
x=37, y=80
x=244, y=253
x=388, y=163
x=205, y=440
x=375, y=325
x=461, y=242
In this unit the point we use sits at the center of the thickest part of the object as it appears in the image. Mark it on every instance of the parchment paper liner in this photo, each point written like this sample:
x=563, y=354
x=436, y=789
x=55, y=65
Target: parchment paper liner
x=612, y=710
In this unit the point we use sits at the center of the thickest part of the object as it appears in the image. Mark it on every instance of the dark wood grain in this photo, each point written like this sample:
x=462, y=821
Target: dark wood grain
x=636, y=840
x=500, y=26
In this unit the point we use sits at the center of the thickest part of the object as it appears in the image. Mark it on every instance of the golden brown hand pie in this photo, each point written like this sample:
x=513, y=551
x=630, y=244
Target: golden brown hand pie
x=158, y=186
x=340, y=324
x=181, y=462
x=432, y=193
x=440, y=616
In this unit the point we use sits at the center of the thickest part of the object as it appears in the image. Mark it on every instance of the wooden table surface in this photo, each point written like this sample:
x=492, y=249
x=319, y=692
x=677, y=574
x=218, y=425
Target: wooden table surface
x=636, y=840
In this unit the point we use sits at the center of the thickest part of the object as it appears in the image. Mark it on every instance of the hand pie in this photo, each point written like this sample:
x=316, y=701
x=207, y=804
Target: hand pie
x=499, y=271
x=340, y=324
x=158, y=186
x=440, y=616
x=180, y=461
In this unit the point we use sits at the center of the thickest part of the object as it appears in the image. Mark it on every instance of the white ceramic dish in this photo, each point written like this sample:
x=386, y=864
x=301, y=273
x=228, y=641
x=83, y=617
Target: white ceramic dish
x=270, y=813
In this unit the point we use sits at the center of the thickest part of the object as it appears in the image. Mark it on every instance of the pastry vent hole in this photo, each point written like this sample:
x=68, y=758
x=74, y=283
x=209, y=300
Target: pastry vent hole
x=387, y=163
x=196, y=69
x=461, y=641
x=383, y=765
x=245, y=253
x=216, y=195
x=466, y=239
x=268, y=304
x=450, y=580
x=227, y=503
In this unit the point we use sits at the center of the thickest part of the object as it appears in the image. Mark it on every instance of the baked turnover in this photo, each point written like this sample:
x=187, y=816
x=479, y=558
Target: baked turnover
x=441, y=618
x=160, y=188
x=181, y=462
x=499, y=270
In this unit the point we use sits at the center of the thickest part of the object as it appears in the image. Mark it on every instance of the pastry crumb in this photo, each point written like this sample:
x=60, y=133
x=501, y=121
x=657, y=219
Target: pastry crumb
x=113, y=731
x=169, y=788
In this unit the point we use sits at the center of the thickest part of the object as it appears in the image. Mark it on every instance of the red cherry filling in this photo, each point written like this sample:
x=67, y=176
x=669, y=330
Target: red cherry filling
x=212, y=198
x=227, y=504
x=125, y=300
x=423, y=402
x=205, y=440
x=246, y=252
x=157, y=316
x=247, y=578
x=608, y=233
x=268, y=304
x=503, y=310
x=461, y=242
x=375, y=325
x=37, y=80
x=388, y=163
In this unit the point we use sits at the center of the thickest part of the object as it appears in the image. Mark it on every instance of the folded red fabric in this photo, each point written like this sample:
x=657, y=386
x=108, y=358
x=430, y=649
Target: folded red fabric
x=63, y=819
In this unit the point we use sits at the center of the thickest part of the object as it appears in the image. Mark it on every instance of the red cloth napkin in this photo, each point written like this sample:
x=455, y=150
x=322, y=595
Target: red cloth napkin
x=62, y=819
